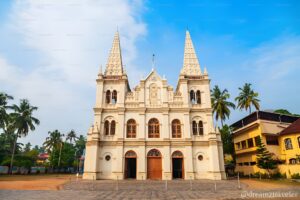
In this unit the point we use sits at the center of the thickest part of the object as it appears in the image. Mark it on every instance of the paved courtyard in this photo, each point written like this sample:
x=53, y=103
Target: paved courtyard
x=132, y=189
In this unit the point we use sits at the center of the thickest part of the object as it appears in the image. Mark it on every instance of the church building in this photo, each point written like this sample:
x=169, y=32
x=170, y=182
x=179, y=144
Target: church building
x=153, y=131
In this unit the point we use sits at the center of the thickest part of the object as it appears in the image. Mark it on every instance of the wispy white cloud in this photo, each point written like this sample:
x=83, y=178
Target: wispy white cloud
x=276, y=59
x=71, y=39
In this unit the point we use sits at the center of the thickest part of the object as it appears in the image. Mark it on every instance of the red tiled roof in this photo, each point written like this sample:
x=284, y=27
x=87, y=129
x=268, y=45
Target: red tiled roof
x=293, y=128
x=43, y=156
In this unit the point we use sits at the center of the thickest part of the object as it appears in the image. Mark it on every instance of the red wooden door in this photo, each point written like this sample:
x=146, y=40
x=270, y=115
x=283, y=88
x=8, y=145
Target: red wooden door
x=154, y=168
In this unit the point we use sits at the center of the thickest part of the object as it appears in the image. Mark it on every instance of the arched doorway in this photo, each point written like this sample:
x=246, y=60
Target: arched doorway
x=130, y=164
x=177, y=165
x=154, y=166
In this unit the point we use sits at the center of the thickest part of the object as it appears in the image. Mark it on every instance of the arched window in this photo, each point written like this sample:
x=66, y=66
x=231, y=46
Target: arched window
x=176, y=129
x=192, y=97
x=198, y=96
x=130, y=154
x=177, y=154
x=107, y=98
x=195, y=128
x=114, y=97
x=153, y=128
x=293, y=161
x=106, y=127
x=299, y=141
x=288, y=143
x=200, y=128
x=131, y=128
x=154, y=153
x=112, y=127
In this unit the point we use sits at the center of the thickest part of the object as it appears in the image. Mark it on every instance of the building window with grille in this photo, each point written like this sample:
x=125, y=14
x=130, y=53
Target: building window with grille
x=176, y=128
x=107, y=97
x=114, y=97
x=198, y=97
x=193, y=97
x=106, y=127
x=153, y=128
x=131, y=128
x=250, y=143
x=112, y=127
x=195, y=131
x=288, y=143
x=200, y=128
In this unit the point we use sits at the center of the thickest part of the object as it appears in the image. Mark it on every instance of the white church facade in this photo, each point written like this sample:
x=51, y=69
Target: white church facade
x=153, y=131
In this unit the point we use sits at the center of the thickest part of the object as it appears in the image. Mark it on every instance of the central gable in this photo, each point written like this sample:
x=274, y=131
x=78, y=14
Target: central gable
x=153, y=88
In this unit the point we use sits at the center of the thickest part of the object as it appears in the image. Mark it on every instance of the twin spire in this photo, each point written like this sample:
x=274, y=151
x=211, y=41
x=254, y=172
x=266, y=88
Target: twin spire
x=114, y=66
x=191, y=66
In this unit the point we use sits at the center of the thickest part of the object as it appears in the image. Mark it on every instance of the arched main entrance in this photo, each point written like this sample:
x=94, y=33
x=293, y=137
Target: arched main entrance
x=177, y=165
x=130, y=164
x=154, y=166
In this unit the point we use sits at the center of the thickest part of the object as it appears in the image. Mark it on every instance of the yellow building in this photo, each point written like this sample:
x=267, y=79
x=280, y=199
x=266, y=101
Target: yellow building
x=246, y=131
x=289, y=140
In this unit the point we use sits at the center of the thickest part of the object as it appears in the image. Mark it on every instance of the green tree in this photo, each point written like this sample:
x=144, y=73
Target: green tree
x=67, y=155
x=220, y=104
x=27, y=147
x=80, y=145
x=285, y=112
x=4, y=98
x=71, y=136
x=23, y=122
x=247, y=97
x=53, y=145
x=264, y=157
x=227, y=140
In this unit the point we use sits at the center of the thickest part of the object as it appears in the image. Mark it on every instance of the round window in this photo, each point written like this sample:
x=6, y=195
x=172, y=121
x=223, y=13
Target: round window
x=107, y=158
x=200, y=157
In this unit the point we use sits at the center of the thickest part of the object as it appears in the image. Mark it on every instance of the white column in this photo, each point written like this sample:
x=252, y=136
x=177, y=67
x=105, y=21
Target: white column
x=91, y=161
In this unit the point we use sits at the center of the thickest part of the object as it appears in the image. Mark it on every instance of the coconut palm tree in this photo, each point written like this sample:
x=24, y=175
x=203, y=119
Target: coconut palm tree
x=53, y=141
x=23, y=122
x=247, y=97
x=3, y=109
x=220, y=104
x=71, y=136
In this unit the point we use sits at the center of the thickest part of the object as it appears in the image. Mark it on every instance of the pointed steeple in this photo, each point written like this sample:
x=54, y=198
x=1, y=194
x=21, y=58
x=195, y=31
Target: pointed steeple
x=191, y=66
x=114, y=65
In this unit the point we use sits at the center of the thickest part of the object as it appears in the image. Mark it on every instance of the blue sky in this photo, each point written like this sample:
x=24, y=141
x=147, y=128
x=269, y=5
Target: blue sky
x=50, y=54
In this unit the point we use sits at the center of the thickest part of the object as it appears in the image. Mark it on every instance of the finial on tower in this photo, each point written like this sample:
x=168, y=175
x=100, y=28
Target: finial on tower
x=100, y=70
x=153, y=62
x=205, y=70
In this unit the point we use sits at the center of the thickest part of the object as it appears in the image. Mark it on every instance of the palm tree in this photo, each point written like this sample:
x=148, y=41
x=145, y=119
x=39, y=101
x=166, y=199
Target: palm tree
x=3, y=107
x=23, y=122
x=247, y=97
x=71, y=136
x=53, y=141
x=220, y=104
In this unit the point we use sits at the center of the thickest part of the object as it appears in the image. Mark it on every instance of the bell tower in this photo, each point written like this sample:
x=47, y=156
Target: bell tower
x=195, y=87
x=111, y=90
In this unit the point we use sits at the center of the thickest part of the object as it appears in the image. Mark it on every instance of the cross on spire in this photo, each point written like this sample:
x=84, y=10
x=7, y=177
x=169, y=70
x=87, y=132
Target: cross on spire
x=153, y=61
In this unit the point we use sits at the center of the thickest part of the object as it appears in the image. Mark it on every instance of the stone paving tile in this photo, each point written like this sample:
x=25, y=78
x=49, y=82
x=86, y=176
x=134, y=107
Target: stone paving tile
x=133, y=190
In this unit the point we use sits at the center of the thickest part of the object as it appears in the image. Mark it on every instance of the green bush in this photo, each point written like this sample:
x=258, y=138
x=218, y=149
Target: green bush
x=278, y=175
x=295, y=176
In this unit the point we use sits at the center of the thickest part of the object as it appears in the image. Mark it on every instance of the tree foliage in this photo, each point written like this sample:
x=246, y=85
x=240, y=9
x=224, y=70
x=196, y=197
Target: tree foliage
x=220, y=104
x=247, y=98
x=264, y=157
x=227, y=140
